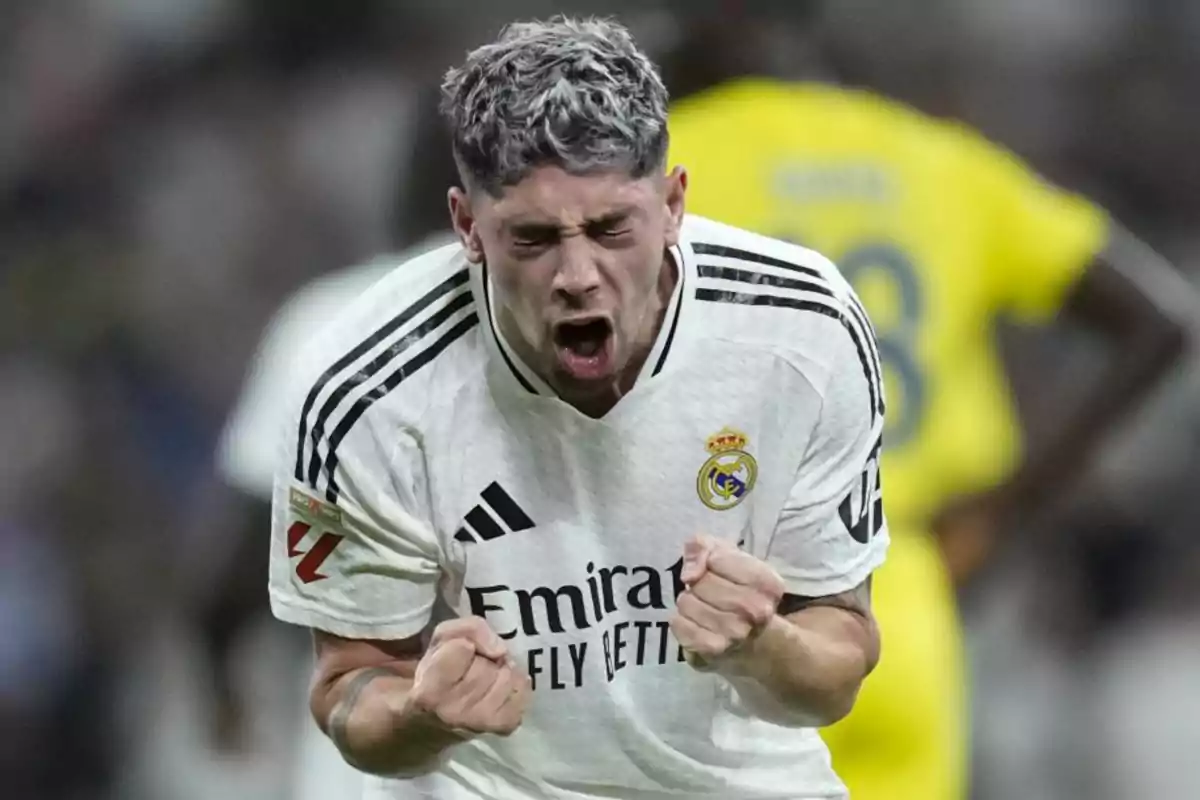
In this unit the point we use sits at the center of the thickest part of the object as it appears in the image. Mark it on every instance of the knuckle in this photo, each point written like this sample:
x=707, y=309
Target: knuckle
x=710, y=644
x=422, y=699
x=451, y=717
x=760, y=611
x=505, y=724
x=446, y=632
x=456, y=646
x=747, y=606
x=447, y=628
x=451, y=653
x=772, y=585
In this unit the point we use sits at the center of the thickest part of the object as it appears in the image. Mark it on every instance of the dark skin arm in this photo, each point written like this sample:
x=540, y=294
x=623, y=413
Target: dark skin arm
x=1141, y=308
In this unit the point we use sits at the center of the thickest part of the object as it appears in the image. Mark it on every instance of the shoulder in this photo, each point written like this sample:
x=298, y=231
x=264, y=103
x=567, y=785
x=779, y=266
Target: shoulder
x=847, y=116
x=771, y=102
x=767, y=294
x=419, y=310
x=322, y=299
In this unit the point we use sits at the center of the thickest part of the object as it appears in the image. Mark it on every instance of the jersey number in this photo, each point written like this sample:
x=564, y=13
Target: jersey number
x=896, y=333
x=314, y=557
x=896, y=328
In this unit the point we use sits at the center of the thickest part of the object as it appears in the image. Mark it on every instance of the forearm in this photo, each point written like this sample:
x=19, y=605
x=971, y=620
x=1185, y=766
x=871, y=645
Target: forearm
x=366, y=715
x=1057, y=460
x=1144, y=310
x=812, y=662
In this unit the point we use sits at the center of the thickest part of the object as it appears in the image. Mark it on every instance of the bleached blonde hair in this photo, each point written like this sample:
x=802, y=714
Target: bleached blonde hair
x=576, y=93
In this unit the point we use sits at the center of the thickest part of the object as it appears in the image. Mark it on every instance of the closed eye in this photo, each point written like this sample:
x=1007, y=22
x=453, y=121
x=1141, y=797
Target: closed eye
x=612, y=233
x=610, y=229
x=533, y=237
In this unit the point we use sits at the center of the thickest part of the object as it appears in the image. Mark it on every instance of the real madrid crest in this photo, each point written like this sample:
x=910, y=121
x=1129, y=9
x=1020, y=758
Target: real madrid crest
x=729, y=473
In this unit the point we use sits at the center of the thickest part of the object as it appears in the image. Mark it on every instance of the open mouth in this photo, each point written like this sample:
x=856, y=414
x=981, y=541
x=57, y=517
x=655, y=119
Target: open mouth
x=585, y=348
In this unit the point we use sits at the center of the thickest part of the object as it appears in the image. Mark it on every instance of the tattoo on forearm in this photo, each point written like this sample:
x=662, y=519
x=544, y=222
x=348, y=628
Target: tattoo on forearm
x=856, y=600
x=339, y=718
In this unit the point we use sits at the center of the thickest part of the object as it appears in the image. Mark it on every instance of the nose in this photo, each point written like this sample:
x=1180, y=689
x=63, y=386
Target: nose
x=578, y=275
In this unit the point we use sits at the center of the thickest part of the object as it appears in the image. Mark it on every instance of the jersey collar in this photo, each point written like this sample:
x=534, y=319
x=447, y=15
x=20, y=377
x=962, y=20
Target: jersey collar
x=515, y=371
x=666, y=343
x=518, y=375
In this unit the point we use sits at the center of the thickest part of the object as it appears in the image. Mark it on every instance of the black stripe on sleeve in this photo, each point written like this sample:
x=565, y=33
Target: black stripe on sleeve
x=506, y=508
x=752, y=257
x=821, y=287
x=443, y=288
x=370, y=370
x=762, y=279
x=745, y=298
x=366, y=401
x=869, y=335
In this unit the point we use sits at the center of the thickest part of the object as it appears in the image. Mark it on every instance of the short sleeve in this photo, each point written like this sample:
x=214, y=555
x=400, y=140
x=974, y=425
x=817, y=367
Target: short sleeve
x=831, y=534
x=246, y=452
x=362, y=561
x=1040, y=237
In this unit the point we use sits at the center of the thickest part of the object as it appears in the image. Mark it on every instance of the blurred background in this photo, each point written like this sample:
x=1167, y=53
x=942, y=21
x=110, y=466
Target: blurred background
x=172, y=170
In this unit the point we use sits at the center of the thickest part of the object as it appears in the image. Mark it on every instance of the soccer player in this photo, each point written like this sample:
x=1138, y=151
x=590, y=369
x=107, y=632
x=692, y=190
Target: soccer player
x=585, y=504
x=941, y=233
x=247, y=452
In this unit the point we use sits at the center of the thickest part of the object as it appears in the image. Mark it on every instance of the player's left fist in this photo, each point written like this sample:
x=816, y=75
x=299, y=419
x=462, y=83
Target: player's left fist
x=730, y=597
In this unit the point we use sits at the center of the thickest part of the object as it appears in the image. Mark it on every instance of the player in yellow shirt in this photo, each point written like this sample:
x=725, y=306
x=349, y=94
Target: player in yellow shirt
x=941, y=233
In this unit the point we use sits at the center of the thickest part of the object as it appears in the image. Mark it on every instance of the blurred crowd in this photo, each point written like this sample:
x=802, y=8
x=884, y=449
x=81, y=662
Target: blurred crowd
x=170, y=170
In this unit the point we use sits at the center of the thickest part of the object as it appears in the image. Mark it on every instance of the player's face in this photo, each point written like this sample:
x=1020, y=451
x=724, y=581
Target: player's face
x=577, y=262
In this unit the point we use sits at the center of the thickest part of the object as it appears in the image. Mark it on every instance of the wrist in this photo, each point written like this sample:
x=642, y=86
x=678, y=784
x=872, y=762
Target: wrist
x=753, y=658
x=393, y=737
x=415, y=723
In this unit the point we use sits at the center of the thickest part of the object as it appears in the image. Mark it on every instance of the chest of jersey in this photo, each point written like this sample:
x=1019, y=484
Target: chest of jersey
x=557, y=528
x=919, y=265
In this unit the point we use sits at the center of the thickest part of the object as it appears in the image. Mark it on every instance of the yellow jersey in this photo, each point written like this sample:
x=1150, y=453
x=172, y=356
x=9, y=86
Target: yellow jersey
x=940, y=232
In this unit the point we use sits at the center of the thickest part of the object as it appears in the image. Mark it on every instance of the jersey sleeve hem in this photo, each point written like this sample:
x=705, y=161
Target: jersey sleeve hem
x=836, y=583
x=290, y=610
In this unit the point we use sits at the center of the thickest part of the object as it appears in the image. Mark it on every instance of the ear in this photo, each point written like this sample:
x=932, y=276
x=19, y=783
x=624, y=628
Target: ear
x=674, y=192
x=463, y=219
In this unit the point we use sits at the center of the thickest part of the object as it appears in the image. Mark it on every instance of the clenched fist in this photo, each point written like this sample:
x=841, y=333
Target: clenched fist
x=466, y=681
x=730, y=597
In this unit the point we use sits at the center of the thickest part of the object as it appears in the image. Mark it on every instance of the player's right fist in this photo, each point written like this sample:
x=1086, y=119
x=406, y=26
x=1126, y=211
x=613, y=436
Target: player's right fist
x=467, y=682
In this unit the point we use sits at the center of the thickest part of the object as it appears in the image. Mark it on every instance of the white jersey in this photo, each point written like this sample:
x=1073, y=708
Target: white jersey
x=246, y=459
x=422, y=461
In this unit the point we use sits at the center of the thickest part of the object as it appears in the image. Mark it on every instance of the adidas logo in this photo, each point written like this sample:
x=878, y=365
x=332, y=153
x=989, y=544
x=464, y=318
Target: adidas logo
x=482, y=526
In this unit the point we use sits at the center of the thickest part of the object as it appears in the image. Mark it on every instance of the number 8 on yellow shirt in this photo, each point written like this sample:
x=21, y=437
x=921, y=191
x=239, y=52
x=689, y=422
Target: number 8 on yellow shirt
x=940, y=233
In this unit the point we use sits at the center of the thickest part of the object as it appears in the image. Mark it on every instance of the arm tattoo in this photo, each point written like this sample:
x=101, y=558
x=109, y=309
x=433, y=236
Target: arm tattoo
x=339, y=718
x=856, y=601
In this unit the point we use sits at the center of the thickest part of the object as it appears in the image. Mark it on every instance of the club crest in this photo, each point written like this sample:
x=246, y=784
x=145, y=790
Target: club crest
x=729, y=473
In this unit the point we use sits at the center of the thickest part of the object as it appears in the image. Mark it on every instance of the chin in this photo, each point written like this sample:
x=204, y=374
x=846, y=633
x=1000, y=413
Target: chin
x=572, y=386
